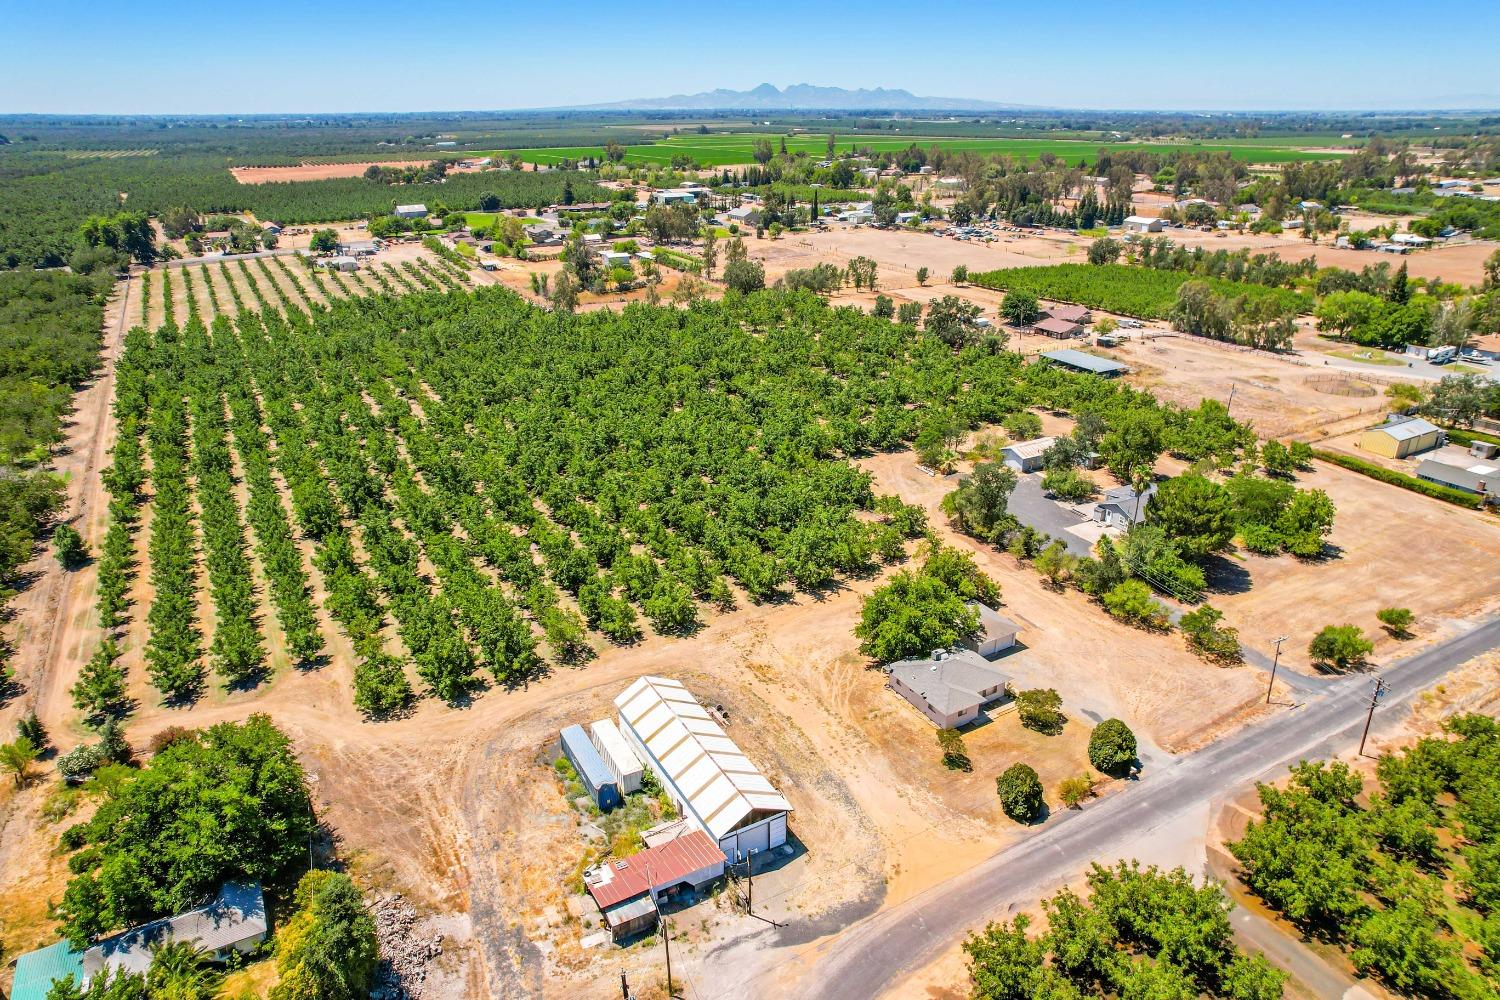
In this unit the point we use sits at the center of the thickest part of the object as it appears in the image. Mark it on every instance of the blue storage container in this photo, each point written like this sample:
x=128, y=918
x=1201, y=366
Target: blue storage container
x=592, y=771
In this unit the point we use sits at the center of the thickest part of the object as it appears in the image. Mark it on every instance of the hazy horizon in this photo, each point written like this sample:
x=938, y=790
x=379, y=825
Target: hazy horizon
x=169, y=58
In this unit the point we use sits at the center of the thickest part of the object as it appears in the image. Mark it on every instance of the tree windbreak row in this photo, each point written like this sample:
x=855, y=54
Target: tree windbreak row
x=486, y=487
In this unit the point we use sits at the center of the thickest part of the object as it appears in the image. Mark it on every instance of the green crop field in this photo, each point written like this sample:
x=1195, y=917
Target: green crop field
x=723, y=150
x=1119, y=288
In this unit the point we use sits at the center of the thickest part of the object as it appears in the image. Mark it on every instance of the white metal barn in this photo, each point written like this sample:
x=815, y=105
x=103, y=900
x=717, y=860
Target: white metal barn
x=710, y=780
x=619, y=756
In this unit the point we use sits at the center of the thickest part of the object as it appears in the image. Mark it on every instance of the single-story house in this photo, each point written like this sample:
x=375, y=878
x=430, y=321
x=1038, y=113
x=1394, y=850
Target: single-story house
x=1059, y=329
x=675, y=196
x=359, y=248
x=1480, y=478
x=235, y=921
x=1068, y=313
x=343, y=262
x=869, y=173
x=857, y=216
x=745, y=215
x=1122, y=507
x=997, y=633
x=1026, y=456
x=1142, y=224
x=615, y=258
x=595, y=775
x=411, y=211
x=1383, y=247
x=271, y=228
x=541, y=235
x=1090, y=363
x=949, y=688
x=907, y=218
x=1401, y=436
x=626, y=890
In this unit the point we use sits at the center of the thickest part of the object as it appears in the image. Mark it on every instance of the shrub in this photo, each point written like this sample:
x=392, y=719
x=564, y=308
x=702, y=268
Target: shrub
x=955, y=753
x=1069, y=485
x=1132, y=602
x=1341, y=646
x=1396, y=620
x=1040, y=710
x=1208, y=638
x=1020, y=792
x=1112, y=746
x=1074, y=790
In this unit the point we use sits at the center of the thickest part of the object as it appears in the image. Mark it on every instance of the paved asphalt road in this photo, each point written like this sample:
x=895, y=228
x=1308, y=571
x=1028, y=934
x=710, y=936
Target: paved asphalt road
x=870, y=956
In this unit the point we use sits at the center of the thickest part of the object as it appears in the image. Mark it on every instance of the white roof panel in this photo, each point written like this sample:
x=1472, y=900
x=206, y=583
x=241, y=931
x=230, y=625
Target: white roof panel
x=721, y=784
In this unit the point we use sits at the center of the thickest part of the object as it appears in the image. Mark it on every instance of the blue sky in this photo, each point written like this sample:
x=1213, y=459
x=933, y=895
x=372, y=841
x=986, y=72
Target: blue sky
x=278, y=56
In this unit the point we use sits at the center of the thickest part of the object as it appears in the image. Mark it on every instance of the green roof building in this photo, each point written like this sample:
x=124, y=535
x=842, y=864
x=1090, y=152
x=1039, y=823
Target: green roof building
x=36, y=971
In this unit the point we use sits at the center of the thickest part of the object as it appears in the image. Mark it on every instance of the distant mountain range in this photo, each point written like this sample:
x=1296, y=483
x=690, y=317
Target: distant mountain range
x=803, y=97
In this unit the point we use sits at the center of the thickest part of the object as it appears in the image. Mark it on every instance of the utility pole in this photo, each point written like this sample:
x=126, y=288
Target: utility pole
x=1274, y=663
x=666, y=940
x=750, y=883
x=1374, y=700
x=624, y=987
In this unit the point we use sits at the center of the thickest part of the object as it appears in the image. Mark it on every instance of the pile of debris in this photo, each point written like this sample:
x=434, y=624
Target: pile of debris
x=405, y=953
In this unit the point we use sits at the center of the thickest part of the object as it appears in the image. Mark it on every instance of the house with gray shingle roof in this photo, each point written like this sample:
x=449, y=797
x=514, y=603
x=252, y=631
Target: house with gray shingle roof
x=949, y=687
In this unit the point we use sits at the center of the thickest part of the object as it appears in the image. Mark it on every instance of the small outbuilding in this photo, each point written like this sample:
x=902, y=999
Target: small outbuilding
x=745, y=215
x=1026, y=456
x=1082, y=362
x=595, y=775
x=619, y=756
x=1401, y=436
x=628, y=889
x=1142, y=224
x=949, y=688
x=997, y=633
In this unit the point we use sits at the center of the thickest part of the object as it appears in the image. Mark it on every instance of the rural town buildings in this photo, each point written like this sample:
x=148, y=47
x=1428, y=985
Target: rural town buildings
x=949, y=688
x=1401, y=436
x=708, y=777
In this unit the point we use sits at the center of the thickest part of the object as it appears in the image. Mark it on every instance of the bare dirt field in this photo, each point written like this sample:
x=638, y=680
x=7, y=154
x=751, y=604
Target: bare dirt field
x=1277, y=395
x=322, y=171
x=1392, y=548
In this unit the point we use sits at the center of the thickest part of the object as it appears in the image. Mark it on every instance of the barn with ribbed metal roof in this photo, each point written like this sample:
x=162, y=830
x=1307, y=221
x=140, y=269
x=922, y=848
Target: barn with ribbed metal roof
x=708, y=777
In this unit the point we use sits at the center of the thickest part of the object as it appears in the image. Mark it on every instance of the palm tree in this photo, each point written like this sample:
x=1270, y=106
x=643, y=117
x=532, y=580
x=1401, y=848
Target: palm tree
x=17, y=758
x=180, y=970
